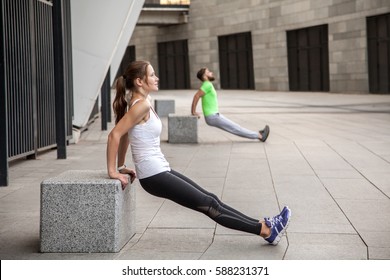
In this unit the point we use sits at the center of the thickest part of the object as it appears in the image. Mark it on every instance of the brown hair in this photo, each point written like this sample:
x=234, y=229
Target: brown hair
x=200, y=73
x=135, y=70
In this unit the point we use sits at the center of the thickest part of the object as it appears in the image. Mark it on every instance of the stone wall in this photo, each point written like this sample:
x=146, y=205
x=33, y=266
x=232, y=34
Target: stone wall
x=268, y=21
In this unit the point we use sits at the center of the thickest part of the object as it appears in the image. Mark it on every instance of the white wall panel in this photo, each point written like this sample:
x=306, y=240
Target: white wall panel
x=101, y=31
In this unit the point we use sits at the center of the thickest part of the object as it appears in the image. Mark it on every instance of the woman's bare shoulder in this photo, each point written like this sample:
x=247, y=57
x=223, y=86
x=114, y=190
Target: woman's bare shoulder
x=139, y=108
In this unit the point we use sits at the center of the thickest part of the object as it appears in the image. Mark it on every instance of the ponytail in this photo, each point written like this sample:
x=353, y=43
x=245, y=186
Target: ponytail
x=136, y=69
x=120, y=104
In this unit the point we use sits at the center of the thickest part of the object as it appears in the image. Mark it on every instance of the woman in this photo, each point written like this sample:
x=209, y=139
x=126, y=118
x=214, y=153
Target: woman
x=138, y=124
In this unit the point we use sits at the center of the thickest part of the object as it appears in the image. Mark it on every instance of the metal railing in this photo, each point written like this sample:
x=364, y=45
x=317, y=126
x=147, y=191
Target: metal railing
x=27, y=81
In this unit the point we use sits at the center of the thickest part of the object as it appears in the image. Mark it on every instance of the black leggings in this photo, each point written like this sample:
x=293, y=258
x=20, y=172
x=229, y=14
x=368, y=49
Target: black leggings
x=178, y=188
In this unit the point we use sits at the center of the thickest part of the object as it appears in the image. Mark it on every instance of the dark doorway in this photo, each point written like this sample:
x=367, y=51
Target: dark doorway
x=128, y=57
x=236, y=61
x=378, y=47
x=308, y=62
x=173, y=65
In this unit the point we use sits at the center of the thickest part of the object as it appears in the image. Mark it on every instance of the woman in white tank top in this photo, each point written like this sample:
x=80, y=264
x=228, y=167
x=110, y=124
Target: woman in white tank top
x=139, y=126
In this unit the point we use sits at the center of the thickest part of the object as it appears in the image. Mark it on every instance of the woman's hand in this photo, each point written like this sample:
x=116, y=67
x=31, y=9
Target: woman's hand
x=130, y=172
x=123, y=176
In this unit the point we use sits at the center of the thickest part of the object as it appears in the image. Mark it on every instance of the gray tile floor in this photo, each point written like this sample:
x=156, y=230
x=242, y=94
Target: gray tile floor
x=327, y=157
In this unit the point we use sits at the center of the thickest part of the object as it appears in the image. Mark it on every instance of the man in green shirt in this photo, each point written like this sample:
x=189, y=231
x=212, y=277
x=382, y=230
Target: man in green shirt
x=211, y=112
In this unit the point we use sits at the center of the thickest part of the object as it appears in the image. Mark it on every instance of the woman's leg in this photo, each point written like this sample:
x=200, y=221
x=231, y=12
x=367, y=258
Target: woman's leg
x=213, y=195
x=218, y=120
x=172, y=186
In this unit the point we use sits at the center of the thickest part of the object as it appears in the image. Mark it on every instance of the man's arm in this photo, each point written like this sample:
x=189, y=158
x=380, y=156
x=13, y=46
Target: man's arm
x=195, y=100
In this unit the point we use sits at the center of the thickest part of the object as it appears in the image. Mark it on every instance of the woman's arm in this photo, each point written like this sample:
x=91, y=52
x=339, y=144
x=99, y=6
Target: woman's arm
x=117, y=144
x=122, y=149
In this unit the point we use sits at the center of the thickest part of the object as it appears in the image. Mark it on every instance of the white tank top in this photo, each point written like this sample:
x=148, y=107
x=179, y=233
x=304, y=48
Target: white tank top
x=145, y=147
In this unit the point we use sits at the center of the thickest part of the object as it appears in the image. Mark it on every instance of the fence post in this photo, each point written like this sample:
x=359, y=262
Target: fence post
x=106, y=100
x=59, y=78
x=3, y=110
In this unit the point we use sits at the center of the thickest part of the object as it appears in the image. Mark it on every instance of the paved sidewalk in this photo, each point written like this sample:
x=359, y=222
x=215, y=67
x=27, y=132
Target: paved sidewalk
x=327, y=158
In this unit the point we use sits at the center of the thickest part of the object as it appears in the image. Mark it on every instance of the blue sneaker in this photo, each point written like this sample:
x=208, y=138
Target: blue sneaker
x=278, y=225
x=285, y=208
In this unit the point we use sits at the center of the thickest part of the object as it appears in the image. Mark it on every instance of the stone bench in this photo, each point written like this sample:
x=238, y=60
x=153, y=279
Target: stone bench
x=182, y=128
x=164, y=107
x=85, y=211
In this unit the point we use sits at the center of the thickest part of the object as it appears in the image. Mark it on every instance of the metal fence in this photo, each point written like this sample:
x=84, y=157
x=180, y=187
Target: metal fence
x=45, y=76
x=27, y=79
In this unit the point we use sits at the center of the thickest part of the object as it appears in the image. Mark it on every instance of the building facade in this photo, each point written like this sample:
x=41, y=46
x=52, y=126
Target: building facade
x=274, y=45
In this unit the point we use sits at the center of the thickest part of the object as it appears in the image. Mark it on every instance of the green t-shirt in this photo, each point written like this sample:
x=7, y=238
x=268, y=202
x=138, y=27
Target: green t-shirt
x=209, y=99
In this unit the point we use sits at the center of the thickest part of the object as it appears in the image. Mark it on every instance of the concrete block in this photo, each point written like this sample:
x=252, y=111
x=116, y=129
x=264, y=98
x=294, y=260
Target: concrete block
x=182, y=128
x=164, y=107
x=85, y=211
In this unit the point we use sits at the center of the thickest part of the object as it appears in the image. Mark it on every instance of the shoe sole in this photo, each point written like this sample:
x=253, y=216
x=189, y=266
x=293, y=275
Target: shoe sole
x=281, y=233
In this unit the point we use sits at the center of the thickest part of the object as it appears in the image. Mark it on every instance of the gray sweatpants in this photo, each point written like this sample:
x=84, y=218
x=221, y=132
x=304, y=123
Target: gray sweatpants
x=218, y=120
